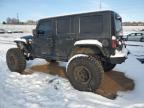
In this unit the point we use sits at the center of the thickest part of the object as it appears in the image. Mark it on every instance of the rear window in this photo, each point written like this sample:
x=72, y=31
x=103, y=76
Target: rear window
x=91, y=24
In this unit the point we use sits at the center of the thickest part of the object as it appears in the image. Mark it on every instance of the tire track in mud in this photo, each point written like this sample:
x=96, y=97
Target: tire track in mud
x=113, y=81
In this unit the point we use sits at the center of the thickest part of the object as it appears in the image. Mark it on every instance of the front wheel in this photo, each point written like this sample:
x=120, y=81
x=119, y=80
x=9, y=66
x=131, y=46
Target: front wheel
x=15, y=60
x=85, y=73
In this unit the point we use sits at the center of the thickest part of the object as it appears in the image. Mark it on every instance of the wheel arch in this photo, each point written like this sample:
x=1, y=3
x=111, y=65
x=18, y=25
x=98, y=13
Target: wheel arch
x=87, y=49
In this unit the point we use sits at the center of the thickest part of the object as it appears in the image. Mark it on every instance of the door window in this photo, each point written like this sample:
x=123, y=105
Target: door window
x=45, y=27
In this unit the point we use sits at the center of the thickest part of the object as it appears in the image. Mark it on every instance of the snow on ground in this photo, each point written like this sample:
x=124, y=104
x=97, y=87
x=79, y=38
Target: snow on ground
x=40, y=90
x=136, y=49
x=24, y=28
x=132, y=28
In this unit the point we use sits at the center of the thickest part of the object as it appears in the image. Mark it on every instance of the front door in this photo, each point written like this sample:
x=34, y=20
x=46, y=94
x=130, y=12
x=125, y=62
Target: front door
x=65, y=38
x=43, y=43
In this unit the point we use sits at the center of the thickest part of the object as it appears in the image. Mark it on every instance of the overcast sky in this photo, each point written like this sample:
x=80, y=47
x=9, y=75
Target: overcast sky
x=130, y=10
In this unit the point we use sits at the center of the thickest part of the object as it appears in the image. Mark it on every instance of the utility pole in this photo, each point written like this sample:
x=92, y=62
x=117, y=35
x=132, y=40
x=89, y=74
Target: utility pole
x=17, y=17
x=100, y=5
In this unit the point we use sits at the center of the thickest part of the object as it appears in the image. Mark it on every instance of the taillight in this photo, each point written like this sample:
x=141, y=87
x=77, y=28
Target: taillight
x=114, y=42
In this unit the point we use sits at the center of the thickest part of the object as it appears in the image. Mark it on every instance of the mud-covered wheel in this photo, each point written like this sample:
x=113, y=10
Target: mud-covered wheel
x=84, y=73
x=15, y=60
x=108, y=66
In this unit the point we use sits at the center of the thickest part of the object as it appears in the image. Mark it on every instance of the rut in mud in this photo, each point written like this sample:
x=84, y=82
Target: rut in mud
x=113, y=82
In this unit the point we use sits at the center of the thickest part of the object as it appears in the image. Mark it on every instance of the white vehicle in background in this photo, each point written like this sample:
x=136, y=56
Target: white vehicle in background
x=2, y=31
x=9, y=31
x=135, y=37
x=14, y=31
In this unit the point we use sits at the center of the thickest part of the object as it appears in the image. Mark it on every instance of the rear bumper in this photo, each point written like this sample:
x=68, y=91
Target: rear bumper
x=118, y=60
x=119, y=57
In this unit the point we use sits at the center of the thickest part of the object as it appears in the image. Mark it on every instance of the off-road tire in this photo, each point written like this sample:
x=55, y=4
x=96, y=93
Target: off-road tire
x=15, y=60
x=108, y=66
x=93, y=73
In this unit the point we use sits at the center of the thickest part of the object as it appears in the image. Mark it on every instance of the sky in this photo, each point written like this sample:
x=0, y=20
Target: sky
x=130, y=10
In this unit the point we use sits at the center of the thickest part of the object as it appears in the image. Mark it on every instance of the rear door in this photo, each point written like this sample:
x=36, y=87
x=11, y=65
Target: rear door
x=43, y=43
x=66, y=36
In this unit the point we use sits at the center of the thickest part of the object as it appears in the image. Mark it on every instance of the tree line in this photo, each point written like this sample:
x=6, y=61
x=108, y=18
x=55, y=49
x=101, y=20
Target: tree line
x=18, y=22
x=133, y=23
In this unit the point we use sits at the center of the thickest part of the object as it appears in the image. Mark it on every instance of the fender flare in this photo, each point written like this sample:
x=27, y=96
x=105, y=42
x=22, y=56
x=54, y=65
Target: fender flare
x=89, y=42
x=24, y=42
x=20, y=40
x=24, y=39
x=94, y=45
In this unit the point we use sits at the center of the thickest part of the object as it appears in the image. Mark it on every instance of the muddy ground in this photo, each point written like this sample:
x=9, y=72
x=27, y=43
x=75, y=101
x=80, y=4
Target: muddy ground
x=113, y=81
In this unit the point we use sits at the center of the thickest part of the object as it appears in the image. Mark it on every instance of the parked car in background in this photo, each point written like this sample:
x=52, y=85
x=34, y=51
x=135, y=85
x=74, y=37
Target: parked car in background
x=135, y=37
x=14, y=31
x=2, y=31
x=125, y=36
x=9, y=31
x=17, y=31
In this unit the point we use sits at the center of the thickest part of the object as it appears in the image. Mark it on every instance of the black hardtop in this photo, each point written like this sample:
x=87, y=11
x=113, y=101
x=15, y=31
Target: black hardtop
x=80, y=14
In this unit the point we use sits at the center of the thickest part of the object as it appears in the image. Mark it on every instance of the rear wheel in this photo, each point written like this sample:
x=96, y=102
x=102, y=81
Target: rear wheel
x=108, y=66
x=15, y=60
x=85, y=73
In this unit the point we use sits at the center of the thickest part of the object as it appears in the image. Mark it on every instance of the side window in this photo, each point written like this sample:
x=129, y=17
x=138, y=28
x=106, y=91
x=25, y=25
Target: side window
x=63, y=25
x=133, y=34
x=45, y=27
x=139, y=34
x=91, y=24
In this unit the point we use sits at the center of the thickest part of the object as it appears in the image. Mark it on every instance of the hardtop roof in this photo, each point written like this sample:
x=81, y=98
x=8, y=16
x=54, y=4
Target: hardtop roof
x=106, y=11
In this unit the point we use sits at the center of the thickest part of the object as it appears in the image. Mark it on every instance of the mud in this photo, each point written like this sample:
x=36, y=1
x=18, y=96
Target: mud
x=113, y=81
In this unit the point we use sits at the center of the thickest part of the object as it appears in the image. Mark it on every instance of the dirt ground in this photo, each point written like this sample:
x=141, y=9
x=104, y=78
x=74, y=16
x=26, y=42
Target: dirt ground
x=113, y=81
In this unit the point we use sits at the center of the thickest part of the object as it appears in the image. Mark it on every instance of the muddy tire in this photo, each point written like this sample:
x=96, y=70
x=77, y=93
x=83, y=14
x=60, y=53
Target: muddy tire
x=108, y=66
x=85, y=73
x=15, y=60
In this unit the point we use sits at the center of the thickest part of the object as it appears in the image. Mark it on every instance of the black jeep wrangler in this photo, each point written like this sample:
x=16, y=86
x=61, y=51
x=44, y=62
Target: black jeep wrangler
x=91, y=43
